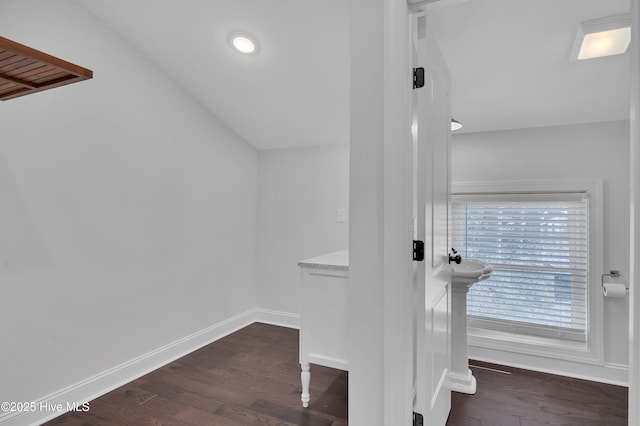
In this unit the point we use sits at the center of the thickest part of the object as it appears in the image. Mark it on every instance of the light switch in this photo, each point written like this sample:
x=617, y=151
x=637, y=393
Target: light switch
x=341, y=215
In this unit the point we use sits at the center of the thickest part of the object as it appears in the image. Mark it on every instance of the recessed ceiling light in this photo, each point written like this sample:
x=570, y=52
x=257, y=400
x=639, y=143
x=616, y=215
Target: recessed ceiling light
x=455, y=125
x=243, y=42
x=602, y=37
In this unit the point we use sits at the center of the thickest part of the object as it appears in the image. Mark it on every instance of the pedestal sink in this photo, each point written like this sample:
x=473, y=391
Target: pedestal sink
x=463, y=276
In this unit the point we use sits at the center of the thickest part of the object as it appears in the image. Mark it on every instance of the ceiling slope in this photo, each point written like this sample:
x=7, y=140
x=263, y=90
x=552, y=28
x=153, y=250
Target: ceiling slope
x=509, y=61
x=294, y=92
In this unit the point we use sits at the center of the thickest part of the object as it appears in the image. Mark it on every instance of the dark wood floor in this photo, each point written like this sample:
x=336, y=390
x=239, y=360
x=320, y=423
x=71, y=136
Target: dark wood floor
x=528, y=398
x=252, y=377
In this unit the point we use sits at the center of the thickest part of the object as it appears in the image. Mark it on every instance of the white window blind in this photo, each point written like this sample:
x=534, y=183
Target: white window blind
x=538, y=245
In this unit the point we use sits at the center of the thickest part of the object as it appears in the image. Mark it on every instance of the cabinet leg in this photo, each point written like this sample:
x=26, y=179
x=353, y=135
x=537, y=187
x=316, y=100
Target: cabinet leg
x=305, y=378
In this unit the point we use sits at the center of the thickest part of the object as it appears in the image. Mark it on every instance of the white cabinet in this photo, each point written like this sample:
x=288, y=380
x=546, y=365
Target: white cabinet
x=323, y=317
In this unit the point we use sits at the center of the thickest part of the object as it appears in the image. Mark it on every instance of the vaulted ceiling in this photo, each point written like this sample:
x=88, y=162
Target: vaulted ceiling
x=294, y=92
x=509, y=61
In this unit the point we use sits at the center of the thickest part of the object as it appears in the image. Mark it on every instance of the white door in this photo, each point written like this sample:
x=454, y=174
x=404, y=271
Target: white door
x=432, y=131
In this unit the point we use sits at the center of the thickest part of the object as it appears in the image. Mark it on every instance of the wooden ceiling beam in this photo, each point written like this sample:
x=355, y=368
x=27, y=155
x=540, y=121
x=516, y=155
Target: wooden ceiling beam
x=18, y=81
x=58, y=72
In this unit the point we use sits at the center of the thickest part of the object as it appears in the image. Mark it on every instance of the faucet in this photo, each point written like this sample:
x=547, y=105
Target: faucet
x=455, y=257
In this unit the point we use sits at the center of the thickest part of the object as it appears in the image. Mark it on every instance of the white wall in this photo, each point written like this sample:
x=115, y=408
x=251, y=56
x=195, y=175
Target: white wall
x=127, y=212
x=299, y=191
x=598, y=150
x=365, y=292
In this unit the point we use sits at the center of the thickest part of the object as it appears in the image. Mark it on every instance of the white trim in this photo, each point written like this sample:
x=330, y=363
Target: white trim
x=108, y=380
x=593, y=353
x=430, y=5
x=533, y=185
x=397, y=217
x=280, y=318
x=327, y=361
x=634, y=246
x=609, y=373
x=531, y=345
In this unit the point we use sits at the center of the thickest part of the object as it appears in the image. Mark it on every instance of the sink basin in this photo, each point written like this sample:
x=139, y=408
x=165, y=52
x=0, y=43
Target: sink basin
x=469, y=272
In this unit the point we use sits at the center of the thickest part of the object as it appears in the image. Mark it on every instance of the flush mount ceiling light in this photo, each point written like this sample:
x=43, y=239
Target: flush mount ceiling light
x=243, y=42
x=602, y=37
x=455, y=125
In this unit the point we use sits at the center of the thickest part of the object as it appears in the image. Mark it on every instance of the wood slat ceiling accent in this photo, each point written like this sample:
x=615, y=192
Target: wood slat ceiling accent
x=24, y=70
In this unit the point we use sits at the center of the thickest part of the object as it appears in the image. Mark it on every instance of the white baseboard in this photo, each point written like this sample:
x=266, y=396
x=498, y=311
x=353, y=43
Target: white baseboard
x=282, y=319
x=55, y=404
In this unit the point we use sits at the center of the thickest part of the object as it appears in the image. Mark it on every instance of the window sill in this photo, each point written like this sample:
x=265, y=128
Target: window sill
x=532, y=345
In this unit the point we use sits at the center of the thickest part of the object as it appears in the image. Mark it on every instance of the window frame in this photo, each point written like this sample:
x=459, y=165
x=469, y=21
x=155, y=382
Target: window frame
x=592, y=350
x=577, y=252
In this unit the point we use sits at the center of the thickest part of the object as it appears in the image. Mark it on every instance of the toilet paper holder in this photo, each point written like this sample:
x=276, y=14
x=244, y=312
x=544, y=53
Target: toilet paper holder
x=613, y=274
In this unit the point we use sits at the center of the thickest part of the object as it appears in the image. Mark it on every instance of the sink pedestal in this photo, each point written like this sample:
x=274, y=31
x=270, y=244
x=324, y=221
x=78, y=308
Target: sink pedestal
x=462, y=379
x=463, y=276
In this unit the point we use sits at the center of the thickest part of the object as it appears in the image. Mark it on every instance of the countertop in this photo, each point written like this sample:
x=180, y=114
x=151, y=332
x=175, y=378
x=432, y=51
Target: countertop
x=335, y=260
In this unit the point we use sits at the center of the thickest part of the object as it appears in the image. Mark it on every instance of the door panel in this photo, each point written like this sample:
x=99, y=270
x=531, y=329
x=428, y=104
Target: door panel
x=439, y=332
x=431, y=135
x=440, y=132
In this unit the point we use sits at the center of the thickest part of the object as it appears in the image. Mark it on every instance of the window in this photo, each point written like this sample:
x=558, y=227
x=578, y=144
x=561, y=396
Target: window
x=538, y=245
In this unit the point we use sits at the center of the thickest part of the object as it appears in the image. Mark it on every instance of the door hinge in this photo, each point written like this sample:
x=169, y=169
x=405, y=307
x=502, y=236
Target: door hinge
x=418, y=78
x=418, y=420
x=418, y=250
